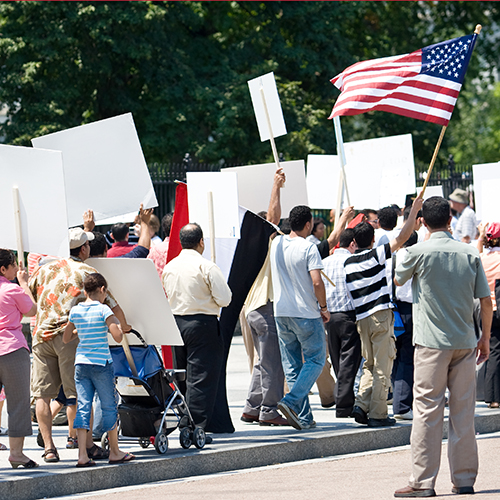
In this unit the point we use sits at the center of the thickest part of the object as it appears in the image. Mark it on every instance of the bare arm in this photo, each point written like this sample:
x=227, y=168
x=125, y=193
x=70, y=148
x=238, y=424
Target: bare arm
x=319, y=291
x=22, y=278
x=145, y=237
x=69, y=333
x=120, y=315
x=274, y=210
x=482, y=233
x=408, y=227
x=345, y=218
x=114, y=328
x=483, y=345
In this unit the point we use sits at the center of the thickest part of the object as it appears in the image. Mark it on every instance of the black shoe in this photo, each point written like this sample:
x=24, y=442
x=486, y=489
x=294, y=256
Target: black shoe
x=208, y=439
x=381, y=422
x=329, y=405
x=359, y=415
x=463, y=490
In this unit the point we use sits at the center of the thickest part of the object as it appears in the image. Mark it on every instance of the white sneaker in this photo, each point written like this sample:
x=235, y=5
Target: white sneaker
x=404, y=416
x=3, y=431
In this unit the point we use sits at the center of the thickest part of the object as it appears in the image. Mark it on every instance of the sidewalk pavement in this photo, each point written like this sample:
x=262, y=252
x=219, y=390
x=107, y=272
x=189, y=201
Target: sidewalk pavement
x=250, y=446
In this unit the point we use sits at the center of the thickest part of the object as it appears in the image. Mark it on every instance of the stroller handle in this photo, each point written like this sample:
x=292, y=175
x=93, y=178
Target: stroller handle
x=139, y=336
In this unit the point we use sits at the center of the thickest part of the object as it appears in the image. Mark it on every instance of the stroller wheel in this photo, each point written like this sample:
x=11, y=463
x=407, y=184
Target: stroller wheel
x=144, y=442
x=161, y=442
x=199, y=437
x=105, y=441
x=186, y=437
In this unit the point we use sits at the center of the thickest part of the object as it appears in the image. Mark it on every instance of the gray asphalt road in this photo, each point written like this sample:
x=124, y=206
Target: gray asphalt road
x=369, y=476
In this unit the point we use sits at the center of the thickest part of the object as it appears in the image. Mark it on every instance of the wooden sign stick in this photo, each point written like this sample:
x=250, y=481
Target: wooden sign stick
x=19, y=234
x=271, y=136
x=128, y=355
x=433, y=160
x=211, y=224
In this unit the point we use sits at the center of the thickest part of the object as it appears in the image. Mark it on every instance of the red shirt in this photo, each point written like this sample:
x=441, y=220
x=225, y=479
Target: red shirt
x=120, y=248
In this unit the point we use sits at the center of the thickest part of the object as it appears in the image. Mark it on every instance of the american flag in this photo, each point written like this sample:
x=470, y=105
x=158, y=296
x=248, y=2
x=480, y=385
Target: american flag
x=423, y=85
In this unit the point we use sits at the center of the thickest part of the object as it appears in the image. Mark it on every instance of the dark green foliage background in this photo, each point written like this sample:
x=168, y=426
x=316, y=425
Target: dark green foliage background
x=182, y=69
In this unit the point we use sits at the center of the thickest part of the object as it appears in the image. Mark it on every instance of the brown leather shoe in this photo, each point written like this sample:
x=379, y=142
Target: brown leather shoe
x=279, y=420
x=409, y=492
x=245, y=417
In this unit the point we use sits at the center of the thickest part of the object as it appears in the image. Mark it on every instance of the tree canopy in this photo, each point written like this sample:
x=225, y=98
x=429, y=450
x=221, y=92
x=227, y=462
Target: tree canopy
x=181, y=68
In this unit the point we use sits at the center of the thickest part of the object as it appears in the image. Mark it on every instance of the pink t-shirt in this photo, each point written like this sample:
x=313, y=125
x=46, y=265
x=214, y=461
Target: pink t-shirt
x=13, y=304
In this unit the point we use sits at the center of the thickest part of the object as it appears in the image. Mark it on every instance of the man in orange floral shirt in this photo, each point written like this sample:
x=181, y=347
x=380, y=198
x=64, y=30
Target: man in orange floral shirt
x=57, y=287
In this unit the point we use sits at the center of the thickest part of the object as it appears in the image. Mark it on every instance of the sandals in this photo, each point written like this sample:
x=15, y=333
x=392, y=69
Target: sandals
x=27, y=465
x=72, y=443
x=52, y=451
x=126, y=458
x=2, y=447
x=90, y=463
x=494, y=405
x=97, y=453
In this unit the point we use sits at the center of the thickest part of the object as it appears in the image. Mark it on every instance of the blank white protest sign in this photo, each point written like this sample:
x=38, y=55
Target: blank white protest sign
x=136, y=286
x=104, y=168
x=268, y=83
x=255, y=183
x=224, y=189
x=323, y=176
x=380, y=171
x=431, y=191
x=39, y=176
x=486, y=178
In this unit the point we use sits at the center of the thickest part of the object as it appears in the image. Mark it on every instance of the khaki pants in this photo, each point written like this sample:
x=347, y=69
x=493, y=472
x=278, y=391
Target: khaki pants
x=326, y=383
x=435, y=370
x=378, y=347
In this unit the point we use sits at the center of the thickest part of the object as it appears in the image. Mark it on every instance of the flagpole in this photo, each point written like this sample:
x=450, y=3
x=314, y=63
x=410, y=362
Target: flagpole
x=341, y=153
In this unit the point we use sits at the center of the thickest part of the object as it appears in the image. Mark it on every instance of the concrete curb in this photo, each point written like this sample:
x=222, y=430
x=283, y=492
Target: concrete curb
x=221, y=457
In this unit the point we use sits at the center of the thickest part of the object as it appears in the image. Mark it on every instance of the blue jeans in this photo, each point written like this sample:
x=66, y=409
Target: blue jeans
x=88, y=380
x=301, y=338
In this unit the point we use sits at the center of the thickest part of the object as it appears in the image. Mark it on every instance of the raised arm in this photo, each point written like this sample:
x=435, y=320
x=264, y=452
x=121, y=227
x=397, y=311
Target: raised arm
x=22, y=278
x=409, y=225
x=274, y=210
x=345, y=218
x=145, y=237
x=88, y=221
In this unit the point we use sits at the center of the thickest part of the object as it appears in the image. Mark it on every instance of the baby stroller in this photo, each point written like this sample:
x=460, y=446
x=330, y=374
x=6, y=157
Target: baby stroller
x=151, y=402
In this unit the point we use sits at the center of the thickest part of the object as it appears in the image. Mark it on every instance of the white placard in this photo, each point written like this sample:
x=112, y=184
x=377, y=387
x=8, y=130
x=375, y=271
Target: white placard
x=224, y=189
x=39, y=176
x=490, y=208
x=104, y=168
x=136, y=286
x=323, y=177
x=255, y=183
x=431, y=191
x=268, y=83
x=482, y=174
x=380, y=172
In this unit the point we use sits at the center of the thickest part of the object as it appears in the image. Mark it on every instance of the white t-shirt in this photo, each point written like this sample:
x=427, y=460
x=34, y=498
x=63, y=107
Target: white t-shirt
x=291, y=261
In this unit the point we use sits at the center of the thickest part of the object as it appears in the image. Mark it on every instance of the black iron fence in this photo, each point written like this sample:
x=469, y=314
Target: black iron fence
x=164, y=175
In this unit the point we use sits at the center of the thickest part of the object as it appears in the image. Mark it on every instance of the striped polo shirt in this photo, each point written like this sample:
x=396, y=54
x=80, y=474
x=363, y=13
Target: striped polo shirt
x=90, y=322
x=367, y=282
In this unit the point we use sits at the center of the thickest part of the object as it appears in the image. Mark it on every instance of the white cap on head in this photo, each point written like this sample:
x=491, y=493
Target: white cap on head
x=78, y=237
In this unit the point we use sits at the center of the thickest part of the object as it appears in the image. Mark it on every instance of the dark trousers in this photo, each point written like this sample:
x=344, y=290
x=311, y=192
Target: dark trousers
x=201, y=357
x=402, y=371
x=344, y=345
x=492, y=366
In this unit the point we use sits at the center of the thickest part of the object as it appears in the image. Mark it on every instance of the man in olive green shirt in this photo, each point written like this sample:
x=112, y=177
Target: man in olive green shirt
x=447, y=277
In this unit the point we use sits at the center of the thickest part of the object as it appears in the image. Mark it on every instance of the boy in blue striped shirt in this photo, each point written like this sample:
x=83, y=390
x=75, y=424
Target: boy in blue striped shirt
x=89, y=321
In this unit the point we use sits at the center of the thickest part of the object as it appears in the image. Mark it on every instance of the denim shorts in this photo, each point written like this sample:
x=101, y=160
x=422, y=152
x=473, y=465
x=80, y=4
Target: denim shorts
x=88, y=380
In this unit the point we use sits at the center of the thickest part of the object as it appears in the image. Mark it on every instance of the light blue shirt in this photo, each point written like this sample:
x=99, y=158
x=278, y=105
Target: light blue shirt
x=90, y=322
x=291, y=261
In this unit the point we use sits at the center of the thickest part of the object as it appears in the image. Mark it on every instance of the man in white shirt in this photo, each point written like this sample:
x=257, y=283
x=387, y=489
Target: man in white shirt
x=465, y=229
x=196, y=290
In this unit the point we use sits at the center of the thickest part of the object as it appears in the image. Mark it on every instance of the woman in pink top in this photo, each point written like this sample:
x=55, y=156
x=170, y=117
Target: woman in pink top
x=489, y=236
x=15, y=301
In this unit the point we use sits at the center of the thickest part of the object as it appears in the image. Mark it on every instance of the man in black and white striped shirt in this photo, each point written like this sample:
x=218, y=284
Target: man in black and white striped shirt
x=367, y=283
